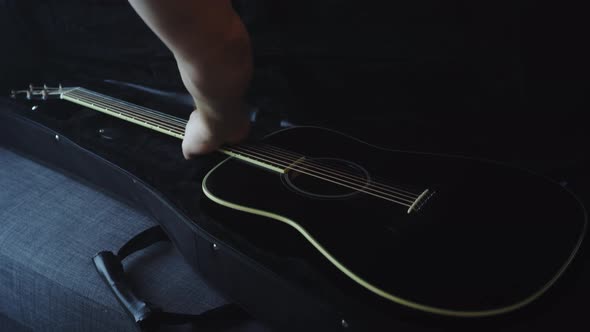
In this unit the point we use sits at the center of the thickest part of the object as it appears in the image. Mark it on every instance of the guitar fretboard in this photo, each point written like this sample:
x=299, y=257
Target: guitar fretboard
x=143, y=116
x=155, y=120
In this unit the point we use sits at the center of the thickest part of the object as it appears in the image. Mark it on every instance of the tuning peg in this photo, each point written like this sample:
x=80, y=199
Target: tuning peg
x=12, y=94
x=31, y=87
x=60, y=88
x=45, y=87
x=29, y=95
x=44, y=94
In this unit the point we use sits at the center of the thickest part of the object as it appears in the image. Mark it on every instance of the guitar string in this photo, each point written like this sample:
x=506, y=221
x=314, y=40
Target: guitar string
x=143, y=109
x=319, y=164
x=334, y=170
x=105, y=100
x=146, y=110
x=363, y=182
x=165, y=124
x=376, y=194
x=325, y=177
x=80, y=94
x=180, y=132
x=135, y=114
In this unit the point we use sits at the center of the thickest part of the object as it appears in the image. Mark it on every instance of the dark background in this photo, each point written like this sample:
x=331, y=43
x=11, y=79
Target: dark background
x=426, y=55
x=502, y=80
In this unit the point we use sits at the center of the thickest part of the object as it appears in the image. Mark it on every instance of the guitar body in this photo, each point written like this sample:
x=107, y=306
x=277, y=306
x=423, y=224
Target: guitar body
x=487, y=238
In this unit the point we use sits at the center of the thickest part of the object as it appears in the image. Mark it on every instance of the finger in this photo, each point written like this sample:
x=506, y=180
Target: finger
x=192, y=148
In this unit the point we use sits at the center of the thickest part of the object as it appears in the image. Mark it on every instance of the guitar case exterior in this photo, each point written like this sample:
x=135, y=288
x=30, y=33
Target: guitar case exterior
x=276, y=288
x=262, y=292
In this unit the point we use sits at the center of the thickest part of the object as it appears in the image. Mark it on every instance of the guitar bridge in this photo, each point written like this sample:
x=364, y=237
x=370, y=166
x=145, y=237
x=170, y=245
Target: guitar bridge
x=421, y=200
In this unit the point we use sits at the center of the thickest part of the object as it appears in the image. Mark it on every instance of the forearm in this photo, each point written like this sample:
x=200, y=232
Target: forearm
x=210, y=44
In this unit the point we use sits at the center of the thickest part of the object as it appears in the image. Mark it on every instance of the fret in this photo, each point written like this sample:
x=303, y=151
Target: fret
x=142, y=116
x=133, y=107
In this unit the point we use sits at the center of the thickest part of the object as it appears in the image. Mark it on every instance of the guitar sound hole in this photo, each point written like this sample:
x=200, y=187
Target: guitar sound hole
x=313, y=178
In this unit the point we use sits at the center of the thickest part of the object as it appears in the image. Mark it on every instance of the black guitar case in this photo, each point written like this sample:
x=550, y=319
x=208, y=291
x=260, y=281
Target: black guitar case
x=148, y=172
x=256, y=271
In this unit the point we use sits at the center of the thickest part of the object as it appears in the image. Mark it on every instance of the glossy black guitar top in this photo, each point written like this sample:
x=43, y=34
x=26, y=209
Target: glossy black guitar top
x=440, y=234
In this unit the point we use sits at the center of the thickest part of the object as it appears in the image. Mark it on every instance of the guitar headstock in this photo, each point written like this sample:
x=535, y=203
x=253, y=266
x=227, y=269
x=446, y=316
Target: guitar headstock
x=40, y=92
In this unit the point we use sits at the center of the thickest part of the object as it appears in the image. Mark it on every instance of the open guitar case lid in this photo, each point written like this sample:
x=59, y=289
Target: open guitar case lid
x=298, y=80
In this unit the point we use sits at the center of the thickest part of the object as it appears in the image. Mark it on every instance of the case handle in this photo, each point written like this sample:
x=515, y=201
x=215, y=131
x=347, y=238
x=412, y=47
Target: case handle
x=145, y=315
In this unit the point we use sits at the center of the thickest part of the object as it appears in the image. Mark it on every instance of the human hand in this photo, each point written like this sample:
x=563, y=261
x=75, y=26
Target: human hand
x=206, y=131
x=212, y=49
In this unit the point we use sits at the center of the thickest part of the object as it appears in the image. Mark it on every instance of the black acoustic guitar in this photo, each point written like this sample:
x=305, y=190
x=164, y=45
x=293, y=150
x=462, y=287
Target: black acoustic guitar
x=441, y=234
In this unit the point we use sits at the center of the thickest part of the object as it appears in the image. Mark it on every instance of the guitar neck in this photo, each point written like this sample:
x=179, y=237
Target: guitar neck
x=160, y=122
x=143, y=116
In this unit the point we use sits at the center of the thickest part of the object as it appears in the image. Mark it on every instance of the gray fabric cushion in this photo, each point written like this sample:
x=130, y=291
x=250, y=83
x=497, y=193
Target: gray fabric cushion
x=7, y=324
x=50, y=228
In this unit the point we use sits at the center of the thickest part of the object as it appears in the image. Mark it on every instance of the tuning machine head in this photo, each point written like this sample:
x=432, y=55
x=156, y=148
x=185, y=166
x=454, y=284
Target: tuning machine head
x=39, y=93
